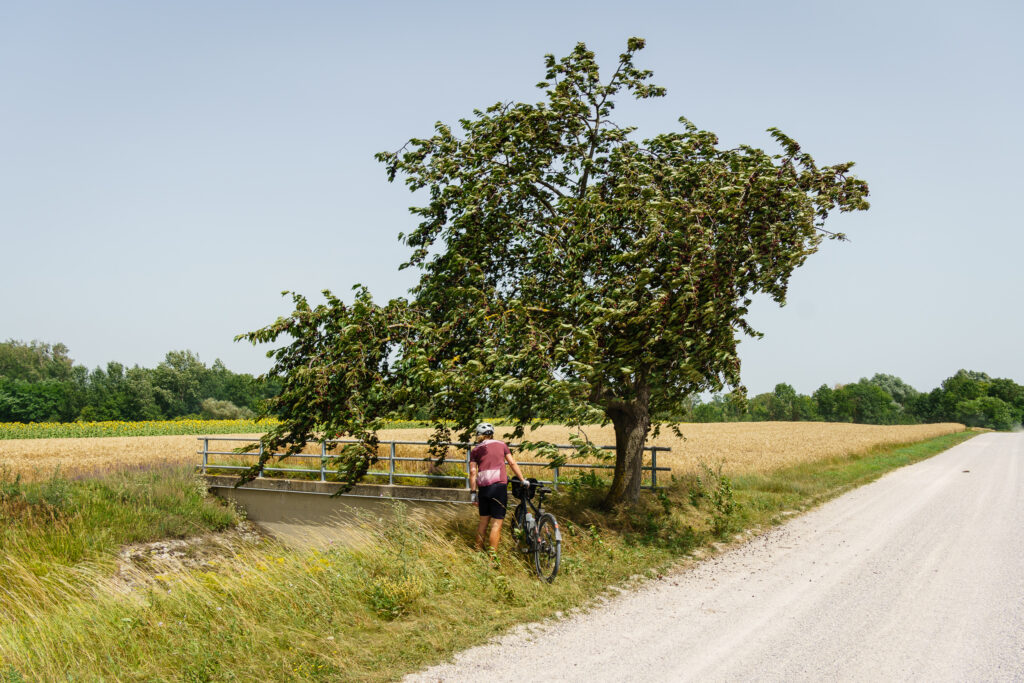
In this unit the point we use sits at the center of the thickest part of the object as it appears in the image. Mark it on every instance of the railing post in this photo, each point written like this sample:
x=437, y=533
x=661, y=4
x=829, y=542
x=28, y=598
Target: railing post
x=323, y=460
x=555, y=482
x=469, y=452
x=654, y=467
x=260, y=475
x=206, y=453
x=391, y=465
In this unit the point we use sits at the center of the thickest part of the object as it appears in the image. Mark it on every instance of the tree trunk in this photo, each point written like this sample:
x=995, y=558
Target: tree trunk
x=632, y=421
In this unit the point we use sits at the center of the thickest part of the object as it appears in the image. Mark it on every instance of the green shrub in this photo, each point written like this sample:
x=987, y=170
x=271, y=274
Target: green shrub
x=586, y=479
x=717, y=489
x=212, y=409
x=391, y=598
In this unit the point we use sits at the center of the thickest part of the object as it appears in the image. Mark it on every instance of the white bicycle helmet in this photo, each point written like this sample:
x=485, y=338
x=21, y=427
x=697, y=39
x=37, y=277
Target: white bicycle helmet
x=485, y=429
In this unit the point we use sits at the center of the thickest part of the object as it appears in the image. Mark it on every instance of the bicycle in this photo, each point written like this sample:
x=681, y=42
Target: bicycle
x=538, y=529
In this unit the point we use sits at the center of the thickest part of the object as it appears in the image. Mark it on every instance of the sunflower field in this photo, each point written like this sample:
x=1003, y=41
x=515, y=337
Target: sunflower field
x=74, y=430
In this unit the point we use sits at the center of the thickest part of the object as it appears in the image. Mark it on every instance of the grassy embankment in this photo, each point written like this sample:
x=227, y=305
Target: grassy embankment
x=264, y=612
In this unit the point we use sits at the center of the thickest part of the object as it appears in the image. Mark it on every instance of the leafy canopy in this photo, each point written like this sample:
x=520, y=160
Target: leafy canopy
x=568, y=270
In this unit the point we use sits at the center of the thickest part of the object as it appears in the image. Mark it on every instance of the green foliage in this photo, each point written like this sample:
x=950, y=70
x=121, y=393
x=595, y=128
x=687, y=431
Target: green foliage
x=722, y=408
x=568, y=271
x=586, y=479
x=177, y=382
x=825, y=400
x=717, y=489
x=34, y=361
x=781, y=403
x=120, y=394
x=987, y=411
x=212, y=409
x=40, y=383
x=975, y=399
x=784, y=404
x=963, y=386
x=900, y=391
x=865, y=403
x=972, y=398
x=43, y=401
x=804, y=408
x=1009, y=392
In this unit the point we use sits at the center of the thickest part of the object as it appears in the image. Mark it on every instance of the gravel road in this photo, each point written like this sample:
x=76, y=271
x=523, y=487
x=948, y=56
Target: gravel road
x=918, y=576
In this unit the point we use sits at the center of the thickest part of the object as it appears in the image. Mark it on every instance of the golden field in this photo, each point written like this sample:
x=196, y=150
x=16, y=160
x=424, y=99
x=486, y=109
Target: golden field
x=39, y=458
x=743, y=446
x=739, y=446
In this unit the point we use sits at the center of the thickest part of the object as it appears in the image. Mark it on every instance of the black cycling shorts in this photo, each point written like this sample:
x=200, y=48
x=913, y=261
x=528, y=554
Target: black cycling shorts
x=493, y=500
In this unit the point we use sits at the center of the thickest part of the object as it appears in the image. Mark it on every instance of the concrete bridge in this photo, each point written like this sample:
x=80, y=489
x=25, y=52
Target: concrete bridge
x=306, y=513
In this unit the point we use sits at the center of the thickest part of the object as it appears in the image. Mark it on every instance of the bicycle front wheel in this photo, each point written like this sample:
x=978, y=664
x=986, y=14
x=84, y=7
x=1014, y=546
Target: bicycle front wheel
x=547, y=552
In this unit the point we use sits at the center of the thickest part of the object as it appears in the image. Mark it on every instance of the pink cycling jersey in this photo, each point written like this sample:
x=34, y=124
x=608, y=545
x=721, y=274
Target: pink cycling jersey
x=489, y=455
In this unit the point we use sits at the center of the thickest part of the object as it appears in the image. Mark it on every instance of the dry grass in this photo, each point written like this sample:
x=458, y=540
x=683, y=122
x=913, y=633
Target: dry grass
x=765, y=446
x=742, y=447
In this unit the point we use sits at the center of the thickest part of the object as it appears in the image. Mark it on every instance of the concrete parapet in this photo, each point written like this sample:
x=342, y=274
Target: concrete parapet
x=306, y=514
x=410, y=493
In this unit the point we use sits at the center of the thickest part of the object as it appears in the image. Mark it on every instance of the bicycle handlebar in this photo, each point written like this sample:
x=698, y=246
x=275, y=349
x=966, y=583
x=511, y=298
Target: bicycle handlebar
x=541, y=490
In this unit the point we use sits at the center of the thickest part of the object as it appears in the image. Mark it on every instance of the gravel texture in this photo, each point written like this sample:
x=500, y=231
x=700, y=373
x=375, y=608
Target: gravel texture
x=918, y=576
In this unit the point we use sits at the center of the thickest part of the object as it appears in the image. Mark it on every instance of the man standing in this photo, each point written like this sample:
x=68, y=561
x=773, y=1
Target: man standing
x=489, y=481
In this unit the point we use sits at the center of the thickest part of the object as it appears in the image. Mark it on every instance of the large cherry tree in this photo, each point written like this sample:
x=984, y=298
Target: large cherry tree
x=567, y=271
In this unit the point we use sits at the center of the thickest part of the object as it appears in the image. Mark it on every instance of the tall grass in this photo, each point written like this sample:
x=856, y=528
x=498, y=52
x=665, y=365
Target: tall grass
x=63, y=522
x=408, y=598
x=271, y=613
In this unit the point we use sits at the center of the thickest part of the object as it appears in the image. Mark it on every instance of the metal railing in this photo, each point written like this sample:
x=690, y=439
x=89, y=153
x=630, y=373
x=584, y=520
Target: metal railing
x=324, y=457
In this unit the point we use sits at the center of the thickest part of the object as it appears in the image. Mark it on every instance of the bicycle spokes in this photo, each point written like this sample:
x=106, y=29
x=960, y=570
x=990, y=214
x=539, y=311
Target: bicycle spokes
x=547, y=552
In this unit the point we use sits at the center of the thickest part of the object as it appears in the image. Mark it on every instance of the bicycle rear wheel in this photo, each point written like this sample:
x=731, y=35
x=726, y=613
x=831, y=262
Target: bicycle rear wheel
x=519, y=530
x=547, y=552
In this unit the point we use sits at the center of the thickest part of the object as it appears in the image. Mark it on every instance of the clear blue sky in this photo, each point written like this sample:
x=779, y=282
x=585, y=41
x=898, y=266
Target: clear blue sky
x=167, y=168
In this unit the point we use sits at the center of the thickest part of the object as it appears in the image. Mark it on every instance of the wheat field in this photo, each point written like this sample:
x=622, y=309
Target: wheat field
x=35, y=459
x=742, y=446
x=739, y=447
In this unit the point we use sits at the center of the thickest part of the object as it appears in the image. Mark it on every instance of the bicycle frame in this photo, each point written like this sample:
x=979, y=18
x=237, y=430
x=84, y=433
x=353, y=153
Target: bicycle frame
x=546, y=551
x=528, y=505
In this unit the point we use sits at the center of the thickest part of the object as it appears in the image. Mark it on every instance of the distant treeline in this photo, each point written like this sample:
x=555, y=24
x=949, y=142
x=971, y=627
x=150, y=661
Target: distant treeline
x=972, y=398
x=41, y=383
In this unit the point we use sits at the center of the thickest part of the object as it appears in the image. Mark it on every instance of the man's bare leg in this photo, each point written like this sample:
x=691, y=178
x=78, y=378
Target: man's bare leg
x=495, y=533
x=481, y=531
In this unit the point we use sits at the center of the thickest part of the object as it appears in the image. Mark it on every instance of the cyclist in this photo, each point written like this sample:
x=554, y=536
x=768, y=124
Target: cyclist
x=488, y=483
